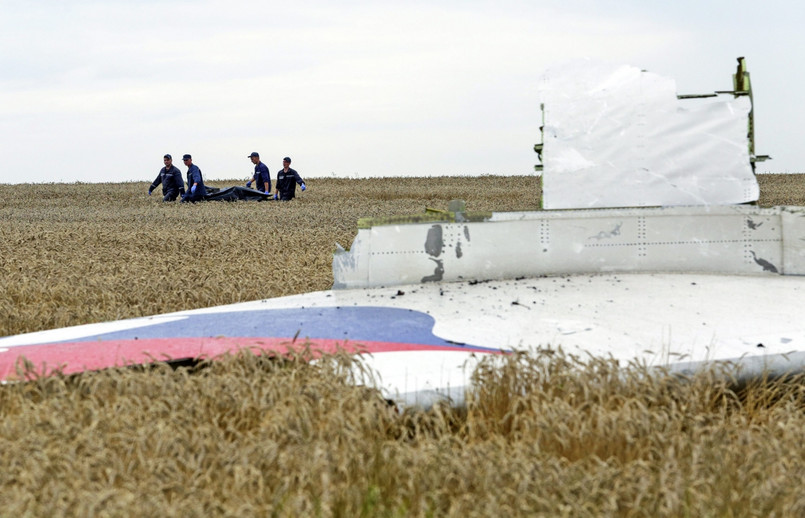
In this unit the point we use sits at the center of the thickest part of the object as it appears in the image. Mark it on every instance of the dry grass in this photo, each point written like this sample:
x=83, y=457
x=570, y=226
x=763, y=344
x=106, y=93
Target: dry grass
x=79, y=253
x=542, y=434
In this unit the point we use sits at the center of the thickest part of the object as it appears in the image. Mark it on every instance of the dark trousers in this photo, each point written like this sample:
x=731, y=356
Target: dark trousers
x=192, y=198
x=171, y=195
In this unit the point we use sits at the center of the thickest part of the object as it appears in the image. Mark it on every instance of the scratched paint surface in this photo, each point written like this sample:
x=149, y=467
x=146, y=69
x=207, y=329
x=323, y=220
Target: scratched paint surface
x=422, y=336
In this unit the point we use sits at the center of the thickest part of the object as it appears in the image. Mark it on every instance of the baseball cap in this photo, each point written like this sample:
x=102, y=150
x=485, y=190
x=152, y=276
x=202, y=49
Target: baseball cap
x=168, y=156
x=254, y=153
x=186, y=157
x=286, y=159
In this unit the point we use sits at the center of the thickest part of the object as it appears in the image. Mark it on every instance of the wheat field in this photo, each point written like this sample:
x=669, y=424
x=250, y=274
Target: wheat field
x=541, y=435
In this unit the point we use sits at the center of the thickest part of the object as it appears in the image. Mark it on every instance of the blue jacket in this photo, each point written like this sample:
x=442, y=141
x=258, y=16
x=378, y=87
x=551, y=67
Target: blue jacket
x=286, y=183
x=171, y=180
x=194, y=176
x=263, y=177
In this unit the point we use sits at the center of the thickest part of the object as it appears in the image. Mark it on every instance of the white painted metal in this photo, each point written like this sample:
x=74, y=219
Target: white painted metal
x=737, y=239
x=618, y=136
x=681, y=321
x=792, y=222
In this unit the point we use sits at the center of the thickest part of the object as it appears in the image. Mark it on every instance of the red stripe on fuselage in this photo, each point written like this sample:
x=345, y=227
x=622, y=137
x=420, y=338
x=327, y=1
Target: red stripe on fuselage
x=74, y=357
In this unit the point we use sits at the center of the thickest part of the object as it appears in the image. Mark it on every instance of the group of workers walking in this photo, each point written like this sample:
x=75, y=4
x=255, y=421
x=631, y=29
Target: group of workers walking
x=173, y=185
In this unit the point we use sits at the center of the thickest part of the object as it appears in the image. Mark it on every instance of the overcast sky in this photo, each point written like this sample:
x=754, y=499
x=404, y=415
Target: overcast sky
x=98, y=91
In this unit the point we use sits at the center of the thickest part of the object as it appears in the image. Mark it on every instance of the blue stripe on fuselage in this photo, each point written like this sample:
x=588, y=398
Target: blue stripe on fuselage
x=359, y=323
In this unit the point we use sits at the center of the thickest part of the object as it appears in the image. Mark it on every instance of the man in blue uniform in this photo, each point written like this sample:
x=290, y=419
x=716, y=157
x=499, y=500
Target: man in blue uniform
x=171, y=179
x=195, y=183
x=287, y=179
x=261, y=178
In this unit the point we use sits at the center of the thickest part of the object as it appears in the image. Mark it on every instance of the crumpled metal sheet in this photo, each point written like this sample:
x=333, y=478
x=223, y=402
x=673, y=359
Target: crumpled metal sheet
x=617, y=136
